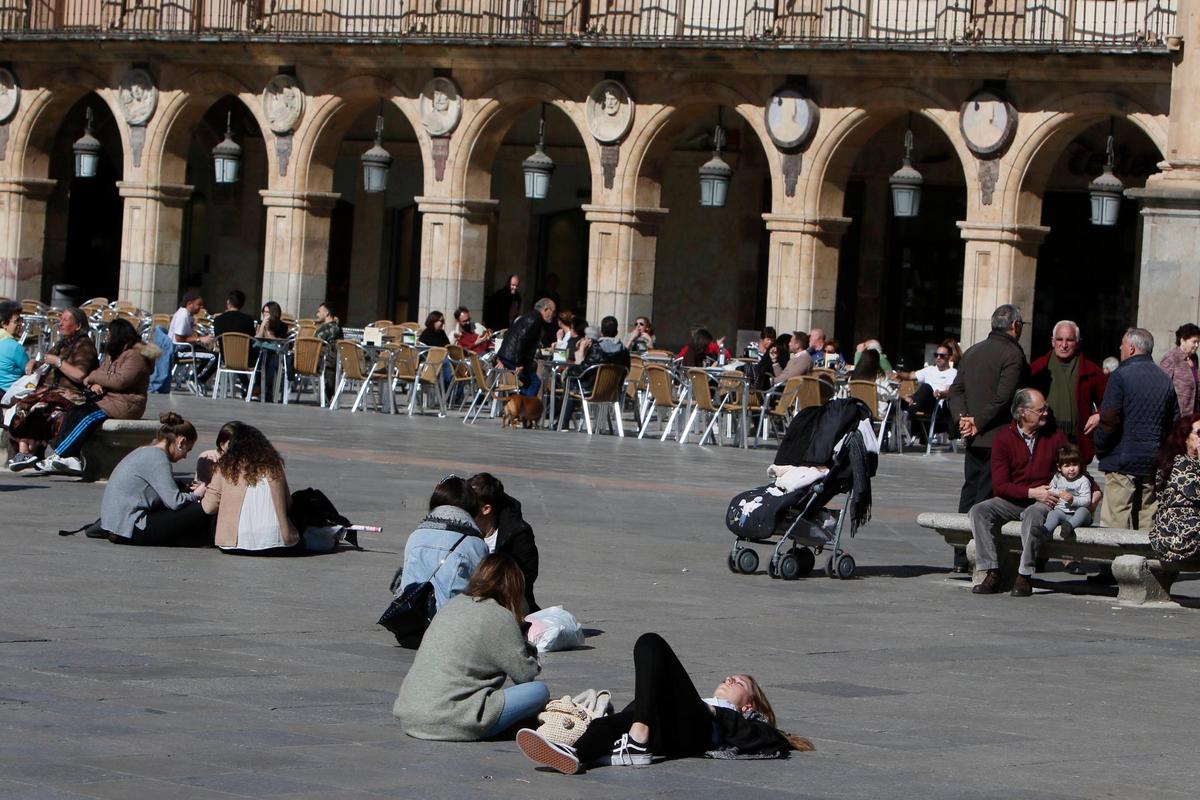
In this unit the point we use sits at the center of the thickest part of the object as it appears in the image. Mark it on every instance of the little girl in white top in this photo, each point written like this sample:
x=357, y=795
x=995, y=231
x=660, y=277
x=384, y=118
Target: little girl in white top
x=1074, y=490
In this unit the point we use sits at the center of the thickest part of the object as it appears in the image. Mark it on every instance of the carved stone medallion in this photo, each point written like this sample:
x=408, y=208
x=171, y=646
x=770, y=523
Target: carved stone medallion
x=609, y=112
x=283, y=103
x=988, y=122
x=791, y=118
x=137, y=97
x=10, y=94
x=440, y=107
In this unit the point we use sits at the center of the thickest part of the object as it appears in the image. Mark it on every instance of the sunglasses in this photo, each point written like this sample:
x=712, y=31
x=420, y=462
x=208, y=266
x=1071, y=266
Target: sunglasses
x=941, y=355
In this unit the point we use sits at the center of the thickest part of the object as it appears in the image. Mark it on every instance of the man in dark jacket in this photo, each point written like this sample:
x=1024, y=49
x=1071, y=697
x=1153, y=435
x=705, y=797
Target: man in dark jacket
x=1138, y=413
x=505, y=529
x=521, y=345
x=1073, y=385
x=233, y=319
x=1023, y=462
x=980, y=398
x=503, y=305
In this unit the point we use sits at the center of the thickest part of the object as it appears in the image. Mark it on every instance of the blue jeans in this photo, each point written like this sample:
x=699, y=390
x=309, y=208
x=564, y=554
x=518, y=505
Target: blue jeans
x=531, y=382
x=520, y=702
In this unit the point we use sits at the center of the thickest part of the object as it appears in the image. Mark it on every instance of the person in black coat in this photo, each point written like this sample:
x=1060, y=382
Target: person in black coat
x=505, y=529
x=521, y=344
x=233, y=319
x=503, y=305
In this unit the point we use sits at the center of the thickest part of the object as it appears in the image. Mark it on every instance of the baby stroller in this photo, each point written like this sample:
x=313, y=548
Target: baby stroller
x=828, y=450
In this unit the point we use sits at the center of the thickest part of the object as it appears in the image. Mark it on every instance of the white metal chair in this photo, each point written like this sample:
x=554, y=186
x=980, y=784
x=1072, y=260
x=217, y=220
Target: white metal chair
x=606, y=392
x=233, y=360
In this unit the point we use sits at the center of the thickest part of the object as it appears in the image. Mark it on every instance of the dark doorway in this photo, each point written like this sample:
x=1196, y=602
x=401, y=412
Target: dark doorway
x=563, y=251
x=341, y=242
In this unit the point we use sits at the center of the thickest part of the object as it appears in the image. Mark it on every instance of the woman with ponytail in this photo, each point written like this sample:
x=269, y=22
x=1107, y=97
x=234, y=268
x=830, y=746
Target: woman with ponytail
x=144, y=505
x=669, y=719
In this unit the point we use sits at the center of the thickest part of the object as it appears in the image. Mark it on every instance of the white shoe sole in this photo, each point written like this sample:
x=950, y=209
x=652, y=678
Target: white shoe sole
x=631, y=761
x=541, y=751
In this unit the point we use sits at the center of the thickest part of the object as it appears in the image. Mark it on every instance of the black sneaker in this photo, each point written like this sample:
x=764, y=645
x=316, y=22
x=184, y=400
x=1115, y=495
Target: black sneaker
x=554, y=755
x=629, y=752
x=22, y=461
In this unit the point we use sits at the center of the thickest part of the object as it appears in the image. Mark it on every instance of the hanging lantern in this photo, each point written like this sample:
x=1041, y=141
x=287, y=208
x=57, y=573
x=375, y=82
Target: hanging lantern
x=538, y=167
x=376, y=163
x=227, y=155
x=906, y=184
x=87, y=151
x=1106, y=191
x=715, y=174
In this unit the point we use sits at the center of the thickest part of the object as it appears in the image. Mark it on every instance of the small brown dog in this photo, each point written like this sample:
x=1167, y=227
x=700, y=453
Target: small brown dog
x=526, y=409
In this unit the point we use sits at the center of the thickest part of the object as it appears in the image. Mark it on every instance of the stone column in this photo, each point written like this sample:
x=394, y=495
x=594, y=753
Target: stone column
x=151, y=243
x=802, y=271
x=621, y=258
x=22, y=236
x=1169, y=286
x=296, y=252
x=454, y=240
x=1000, y=266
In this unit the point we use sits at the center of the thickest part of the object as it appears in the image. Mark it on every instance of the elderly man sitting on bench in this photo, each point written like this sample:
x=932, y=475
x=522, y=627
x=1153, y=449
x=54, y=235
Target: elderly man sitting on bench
x=1023, y=462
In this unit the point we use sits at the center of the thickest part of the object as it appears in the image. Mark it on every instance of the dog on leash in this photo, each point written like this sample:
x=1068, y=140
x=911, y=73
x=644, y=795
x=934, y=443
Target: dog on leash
x=528, y=410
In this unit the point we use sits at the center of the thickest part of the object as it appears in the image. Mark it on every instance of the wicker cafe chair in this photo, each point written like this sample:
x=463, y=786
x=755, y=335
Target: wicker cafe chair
x=730, y=388
x=429, y=378
x=353, y=367
x=868, y=392
x=703, y=402
x=461, y=376
x=606, y=391
x=778, y=405
x=234, y=359
x=635, y=387
x=661, y=394
x=485, y=385
x=308, y=364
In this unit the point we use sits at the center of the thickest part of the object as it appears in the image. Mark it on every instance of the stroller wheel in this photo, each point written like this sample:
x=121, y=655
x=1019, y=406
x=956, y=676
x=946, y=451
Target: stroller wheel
x=841, y=567
x=731, y=563
x=805, y=561
x=747, y=561
x=789, y=567
x=773, y=567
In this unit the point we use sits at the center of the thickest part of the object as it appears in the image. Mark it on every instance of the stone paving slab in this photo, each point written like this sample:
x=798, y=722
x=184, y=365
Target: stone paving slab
x=138, y=672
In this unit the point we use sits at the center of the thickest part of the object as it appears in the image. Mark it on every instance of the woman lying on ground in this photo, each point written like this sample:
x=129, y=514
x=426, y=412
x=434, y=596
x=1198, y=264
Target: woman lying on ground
x=454, y=689
x=144, y=505
x=505, y=530
x=447, y=546
x=116, y=390
x=668, y=719
x=249, y=494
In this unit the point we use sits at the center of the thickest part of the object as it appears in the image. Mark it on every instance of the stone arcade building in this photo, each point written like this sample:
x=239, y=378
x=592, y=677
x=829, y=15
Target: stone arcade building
x=1009, y=103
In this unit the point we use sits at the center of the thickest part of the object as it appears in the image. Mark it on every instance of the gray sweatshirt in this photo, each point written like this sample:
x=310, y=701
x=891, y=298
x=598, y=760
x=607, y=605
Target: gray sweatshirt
x=452, y=690
x=142, y=482
x=1080, y=489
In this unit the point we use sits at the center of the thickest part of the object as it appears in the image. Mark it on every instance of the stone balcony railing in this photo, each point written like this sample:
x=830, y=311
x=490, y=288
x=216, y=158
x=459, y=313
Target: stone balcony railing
x=1088, y=25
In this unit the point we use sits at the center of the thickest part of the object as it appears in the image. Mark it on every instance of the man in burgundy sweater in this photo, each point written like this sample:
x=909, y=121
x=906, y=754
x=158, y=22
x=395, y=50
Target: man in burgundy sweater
x=1023, y=462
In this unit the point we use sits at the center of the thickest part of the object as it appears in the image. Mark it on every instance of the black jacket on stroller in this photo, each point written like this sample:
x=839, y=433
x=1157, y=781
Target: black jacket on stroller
x=810, y=441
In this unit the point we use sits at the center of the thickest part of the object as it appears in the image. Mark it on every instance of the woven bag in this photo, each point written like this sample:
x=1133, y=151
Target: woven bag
x=566, y=719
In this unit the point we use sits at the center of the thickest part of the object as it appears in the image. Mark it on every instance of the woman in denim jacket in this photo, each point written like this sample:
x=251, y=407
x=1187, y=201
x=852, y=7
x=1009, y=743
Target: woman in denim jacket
x=430, y=553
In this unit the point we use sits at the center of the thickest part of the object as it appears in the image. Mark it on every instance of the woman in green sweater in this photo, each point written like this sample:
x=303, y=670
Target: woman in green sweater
x=454, y=690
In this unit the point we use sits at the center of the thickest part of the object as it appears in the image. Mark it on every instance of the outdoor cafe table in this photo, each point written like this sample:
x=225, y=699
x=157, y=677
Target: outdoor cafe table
x=724, y=372
x=276, y=349
x=553, y=370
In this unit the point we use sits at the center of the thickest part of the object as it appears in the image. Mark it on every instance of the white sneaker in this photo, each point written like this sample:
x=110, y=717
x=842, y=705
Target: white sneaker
x=72, y=465
x=557, y=756
x=627, y=752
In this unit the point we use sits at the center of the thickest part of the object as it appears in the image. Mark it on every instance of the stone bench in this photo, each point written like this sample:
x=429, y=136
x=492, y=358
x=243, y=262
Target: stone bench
x=106, y=446
x=1141, y=577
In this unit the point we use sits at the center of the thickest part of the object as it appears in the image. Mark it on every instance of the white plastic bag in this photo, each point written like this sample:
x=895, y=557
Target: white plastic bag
x=553, y=629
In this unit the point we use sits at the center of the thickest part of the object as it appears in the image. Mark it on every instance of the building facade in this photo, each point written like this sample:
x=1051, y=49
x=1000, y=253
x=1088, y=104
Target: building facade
x=1009, y=106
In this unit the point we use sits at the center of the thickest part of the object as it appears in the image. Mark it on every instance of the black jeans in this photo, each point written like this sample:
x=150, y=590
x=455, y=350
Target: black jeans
x=77, y=423
x=187, y=526
x=977, y=487
x=664, y=698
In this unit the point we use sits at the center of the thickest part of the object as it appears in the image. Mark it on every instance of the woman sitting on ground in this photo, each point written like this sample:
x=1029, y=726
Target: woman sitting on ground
x=434, y=332
x=447, y=546
x=668, y=719
x=505, y=530
x=1175, y=533
x=454, y=689
x=144, y=505
x=249, y=494
x=116, y=390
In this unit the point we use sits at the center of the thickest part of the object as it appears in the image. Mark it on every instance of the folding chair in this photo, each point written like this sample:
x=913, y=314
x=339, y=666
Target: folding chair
x=606, y=391
x=660, y=389
x=308, y=363
x=868, y=392
x=461, y=375
x=485, y=385
x=778, y=406
x=429, y=377
x=352, y=365
x=233, y=359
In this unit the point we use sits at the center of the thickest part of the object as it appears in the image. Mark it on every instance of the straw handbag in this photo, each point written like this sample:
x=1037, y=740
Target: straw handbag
x=564, y=720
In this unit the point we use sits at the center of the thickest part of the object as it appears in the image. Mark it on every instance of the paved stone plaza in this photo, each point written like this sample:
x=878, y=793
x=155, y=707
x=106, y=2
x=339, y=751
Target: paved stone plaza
x=144, y=672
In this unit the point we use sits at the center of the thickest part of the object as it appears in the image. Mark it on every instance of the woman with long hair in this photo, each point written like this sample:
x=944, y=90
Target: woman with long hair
x=249, y=494
x=669, y=719
x=699, y=349
x=1175, y=532
x=271, y=324
x=142, y=502
x=115, y=390
x=641, y=338
x=455, y=690
x=434, y=332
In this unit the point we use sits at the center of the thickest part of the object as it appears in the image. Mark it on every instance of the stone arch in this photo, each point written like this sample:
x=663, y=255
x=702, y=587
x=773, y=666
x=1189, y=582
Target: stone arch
x=33, y=135
x=176, y=119
x=482, y=133
x=1039, y=147
x=641, y=178
x=326, y=124
x=834, y=152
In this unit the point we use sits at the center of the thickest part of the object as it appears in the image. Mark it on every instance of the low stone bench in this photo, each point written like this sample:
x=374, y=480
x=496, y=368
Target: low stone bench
x=106, y=446
x=1141, y=577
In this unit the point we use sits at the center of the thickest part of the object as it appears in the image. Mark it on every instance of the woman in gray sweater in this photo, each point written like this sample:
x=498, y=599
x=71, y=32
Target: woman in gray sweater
x=454, y=689
x=144, y=505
